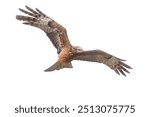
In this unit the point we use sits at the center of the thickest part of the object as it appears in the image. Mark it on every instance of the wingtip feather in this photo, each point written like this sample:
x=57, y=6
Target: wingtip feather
x=27, y=6
x=18, y=17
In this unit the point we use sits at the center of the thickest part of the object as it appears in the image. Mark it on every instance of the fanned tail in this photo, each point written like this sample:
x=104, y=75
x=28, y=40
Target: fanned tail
x=58, y=66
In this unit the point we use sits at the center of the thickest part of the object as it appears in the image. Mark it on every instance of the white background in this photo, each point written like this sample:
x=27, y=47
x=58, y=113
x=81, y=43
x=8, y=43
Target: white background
x=119, y=27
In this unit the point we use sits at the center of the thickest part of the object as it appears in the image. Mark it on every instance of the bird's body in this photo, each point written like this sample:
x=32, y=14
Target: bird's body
x=66, y=52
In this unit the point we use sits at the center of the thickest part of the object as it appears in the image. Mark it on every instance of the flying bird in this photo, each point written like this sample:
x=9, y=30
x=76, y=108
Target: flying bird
x=65, y=50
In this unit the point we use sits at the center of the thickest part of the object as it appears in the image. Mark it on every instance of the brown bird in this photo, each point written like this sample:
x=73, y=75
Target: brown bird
x=66, y=52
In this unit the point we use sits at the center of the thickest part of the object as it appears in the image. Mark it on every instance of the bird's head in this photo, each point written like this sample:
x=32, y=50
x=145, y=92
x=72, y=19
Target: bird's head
x=77, y=49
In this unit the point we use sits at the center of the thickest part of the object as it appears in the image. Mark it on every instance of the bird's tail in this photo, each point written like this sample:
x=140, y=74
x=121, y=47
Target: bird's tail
x=58, y=66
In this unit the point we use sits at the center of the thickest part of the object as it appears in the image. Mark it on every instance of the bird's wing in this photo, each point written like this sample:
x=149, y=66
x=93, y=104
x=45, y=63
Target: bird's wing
x=53, y=30
x=102, y=57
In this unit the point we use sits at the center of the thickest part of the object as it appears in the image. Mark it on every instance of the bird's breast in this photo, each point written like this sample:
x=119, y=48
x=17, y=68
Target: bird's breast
x=65, y=54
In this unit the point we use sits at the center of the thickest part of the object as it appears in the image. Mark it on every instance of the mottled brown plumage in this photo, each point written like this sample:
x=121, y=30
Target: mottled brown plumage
x=66, y=52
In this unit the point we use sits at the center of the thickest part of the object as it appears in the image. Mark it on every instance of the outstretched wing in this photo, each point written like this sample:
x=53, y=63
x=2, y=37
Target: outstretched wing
x=53, y=30
x=102, y=57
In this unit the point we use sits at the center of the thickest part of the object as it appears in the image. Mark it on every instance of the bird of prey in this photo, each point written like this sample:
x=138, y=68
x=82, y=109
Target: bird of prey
x=65, y=50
